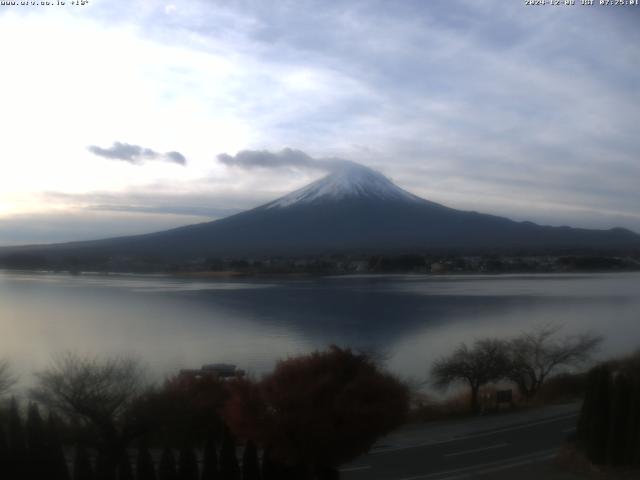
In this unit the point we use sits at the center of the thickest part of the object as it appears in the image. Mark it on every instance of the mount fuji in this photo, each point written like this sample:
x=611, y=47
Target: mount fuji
x=352, y=210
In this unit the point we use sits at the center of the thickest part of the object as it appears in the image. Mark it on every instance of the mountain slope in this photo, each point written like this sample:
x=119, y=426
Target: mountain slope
x=354, y=209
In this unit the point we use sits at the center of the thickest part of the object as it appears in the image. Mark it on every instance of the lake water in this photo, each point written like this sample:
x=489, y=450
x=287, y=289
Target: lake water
x=174, y=323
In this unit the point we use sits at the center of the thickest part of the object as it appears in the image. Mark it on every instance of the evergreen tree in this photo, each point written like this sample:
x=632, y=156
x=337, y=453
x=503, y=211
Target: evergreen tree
x=269, y=467
x=56, y=460
x=609, y=423
x=124, y=467
x=229, y=469
x=633, y=450
x=167, y=468
x=210, y=460
x=35, y=430
x=250, y=465
x=82, y=469
x=4, y=453
x=598, y=421
x=105, y=468
x=618, y=434
x=583, y=430
x=145, y=469
x=36, y=444
x=17, y=445
x=187, y=464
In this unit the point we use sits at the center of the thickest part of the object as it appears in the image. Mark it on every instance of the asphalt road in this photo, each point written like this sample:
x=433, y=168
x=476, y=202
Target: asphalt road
x=479, y=453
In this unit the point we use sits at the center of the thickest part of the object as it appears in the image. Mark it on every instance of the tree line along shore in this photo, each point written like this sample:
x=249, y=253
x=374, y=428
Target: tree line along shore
x=333, y=264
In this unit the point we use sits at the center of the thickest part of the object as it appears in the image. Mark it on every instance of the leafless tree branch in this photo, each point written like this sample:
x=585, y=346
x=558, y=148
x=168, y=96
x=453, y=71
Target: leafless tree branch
x=96, y=390
x=535, y=355
x=485, y=361
x=7, y=380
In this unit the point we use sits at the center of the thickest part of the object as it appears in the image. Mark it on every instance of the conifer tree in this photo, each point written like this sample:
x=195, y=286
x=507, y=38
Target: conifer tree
x=37, y=456
x=82, y=469
x=17, y=444
x=229, y=469
x=250, y=465
x=187, y=464
x=145, y=469
x=167, y=469
x=210, y=460
x=609, y=423
x=56, y=460
x=598, y=421
x=618, y=434
x=105, y=468
x=269, y=467
x=583, y=430
x=4, y=453
x=124, y=467
x=633, y=446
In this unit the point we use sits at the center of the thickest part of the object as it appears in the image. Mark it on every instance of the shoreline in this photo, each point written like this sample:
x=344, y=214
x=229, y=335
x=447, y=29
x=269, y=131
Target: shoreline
x=235, y=274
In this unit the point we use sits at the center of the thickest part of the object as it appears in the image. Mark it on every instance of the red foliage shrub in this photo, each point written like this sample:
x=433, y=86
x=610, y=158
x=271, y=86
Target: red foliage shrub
x=183, y=408
x=319, y=410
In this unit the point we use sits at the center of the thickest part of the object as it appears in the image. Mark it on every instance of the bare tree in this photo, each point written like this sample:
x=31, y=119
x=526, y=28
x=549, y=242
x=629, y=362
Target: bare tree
x=535, y=355
x=91, y=388
x=484, y=362
x=96, y=391
x=7, y=380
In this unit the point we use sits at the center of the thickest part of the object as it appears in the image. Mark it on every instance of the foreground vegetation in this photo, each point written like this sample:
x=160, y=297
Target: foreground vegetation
x=609, y=425
x=526, y=361
x=606, y=445
x=312, y=414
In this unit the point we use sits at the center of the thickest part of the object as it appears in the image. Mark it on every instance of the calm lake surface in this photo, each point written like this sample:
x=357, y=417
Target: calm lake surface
x=174, y=323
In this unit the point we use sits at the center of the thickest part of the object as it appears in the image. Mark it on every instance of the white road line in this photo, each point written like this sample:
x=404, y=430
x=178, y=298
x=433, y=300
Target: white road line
x=474, y=435
x=483, y=468
x=476, y=450
x=355, y=469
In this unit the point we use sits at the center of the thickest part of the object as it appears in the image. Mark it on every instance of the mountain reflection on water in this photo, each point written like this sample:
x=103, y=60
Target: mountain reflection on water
x=174, y=323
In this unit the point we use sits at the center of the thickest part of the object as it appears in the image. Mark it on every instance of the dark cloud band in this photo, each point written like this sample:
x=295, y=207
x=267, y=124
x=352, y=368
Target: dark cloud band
x=135, y=154
x=286, y=158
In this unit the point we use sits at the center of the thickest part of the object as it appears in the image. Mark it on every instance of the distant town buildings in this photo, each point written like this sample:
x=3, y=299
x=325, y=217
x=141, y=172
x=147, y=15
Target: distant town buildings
x=213, y=370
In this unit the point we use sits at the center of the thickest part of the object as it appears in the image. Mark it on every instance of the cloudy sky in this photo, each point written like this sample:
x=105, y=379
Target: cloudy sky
x=127, y=117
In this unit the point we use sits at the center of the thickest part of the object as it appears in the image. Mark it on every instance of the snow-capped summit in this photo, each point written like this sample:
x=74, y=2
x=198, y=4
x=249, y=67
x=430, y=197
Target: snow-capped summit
x=349, y=180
